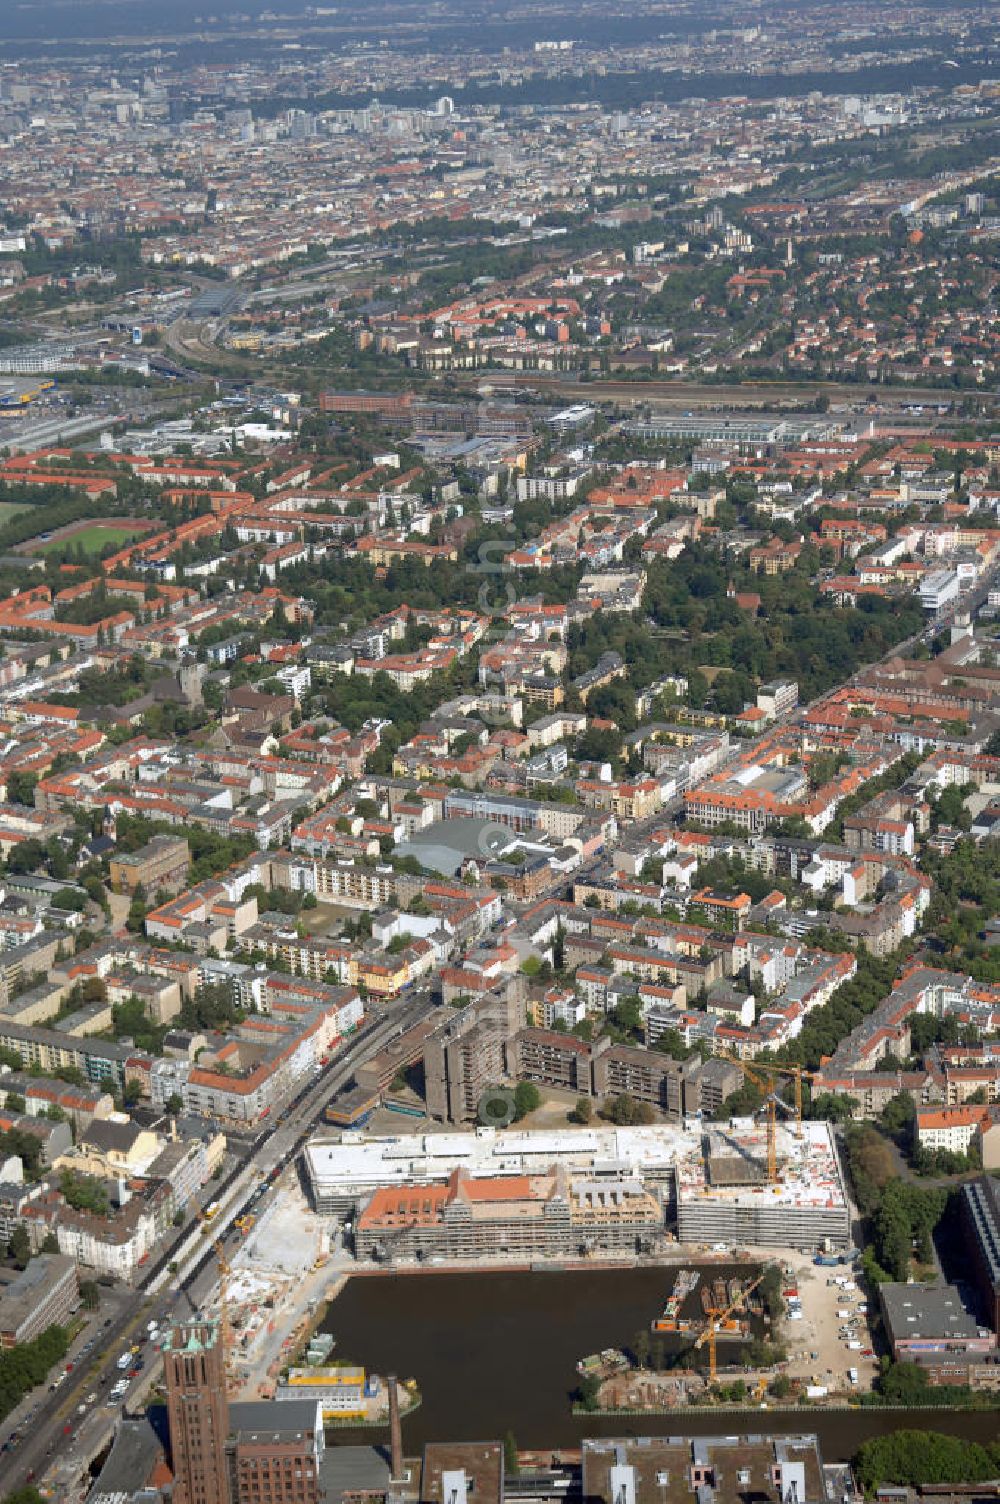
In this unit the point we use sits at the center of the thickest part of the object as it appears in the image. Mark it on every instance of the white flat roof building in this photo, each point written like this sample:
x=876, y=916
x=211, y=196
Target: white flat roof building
x=809, y=1204
x=938, y=588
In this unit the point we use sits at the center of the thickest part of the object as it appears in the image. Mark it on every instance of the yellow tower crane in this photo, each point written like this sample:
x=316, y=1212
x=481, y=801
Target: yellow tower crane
x=797, y=1073
x=715, y=1318
x=770, y=1103
x=766, y=1078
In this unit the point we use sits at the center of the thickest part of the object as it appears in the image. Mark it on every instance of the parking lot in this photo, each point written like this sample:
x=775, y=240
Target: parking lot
x=827, y=1326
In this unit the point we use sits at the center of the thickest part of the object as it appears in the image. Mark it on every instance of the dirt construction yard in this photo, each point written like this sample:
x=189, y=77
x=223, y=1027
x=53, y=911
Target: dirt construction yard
x=834, y=1313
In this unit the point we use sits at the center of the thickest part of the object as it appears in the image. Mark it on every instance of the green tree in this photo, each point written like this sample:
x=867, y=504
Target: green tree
x=19, y=1246
x=21, y=788
x=833, y=1106
x=137, y=910
x=84, y=1192
x=950, y=808
x=898, y=1117
x=527, y=1098
x=559, y=949
x=918, y=1458
x=24, y=1367
x=625, y=1112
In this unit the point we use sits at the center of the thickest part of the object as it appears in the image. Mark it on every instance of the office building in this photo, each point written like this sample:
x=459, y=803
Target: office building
x=161, y=866
x=45, y=1294
x=275, y=1452
x=194, y=1368
x=704, y=1470
x=930, y=1318
x=522, y=1215
x=980, y=1216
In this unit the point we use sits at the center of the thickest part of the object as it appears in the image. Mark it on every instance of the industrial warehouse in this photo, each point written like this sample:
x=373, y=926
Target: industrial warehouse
x=495, y=1192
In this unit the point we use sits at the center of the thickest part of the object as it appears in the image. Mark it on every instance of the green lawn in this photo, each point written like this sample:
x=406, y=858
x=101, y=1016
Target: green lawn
x=9, y=509
x=91, y=539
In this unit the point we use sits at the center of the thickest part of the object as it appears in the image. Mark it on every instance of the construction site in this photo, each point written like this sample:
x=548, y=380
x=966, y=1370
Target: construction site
x=272, y=1290
x=716, y=1322
x=771, y=1184
x=709, y=1202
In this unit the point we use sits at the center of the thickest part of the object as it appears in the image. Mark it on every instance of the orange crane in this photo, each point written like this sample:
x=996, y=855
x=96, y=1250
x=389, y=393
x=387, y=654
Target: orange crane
x=770, y=1102
x=715, y=1318
x=796, y=1072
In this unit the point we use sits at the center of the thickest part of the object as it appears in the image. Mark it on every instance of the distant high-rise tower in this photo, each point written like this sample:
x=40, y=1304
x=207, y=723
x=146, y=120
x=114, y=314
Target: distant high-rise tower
x=789, y=253
x=198, y=1412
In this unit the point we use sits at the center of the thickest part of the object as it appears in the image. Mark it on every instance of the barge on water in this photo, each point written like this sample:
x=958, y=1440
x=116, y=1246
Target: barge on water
x=670, y=1320
x=601, y=1365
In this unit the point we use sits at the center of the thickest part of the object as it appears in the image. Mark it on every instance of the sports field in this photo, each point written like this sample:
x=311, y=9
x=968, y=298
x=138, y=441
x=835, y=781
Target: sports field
x=91, y=539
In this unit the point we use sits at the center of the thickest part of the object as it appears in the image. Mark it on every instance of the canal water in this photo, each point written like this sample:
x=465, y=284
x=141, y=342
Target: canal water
x=496, y=1352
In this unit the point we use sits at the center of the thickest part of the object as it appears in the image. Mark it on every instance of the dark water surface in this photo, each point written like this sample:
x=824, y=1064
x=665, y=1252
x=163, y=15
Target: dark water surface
x=497, y=1352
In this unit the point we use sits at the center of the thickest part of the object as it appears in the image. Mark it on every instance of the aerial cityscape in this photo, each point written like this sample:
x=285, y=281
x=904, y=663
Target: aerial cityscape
x=500, y=752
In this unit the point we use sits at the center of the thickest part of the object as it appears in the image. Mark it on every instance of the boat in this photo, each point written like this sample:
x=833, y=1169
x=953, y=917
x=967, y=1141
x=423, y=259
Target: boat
x=687, y=1281
x=610, y=1360
x=669, y=1319
x=731, y=1329
x=672, y=1325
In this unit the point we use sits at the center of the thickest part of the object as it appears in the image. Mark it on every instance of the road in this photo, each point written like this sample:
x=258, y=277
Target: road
x=166, y=1295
